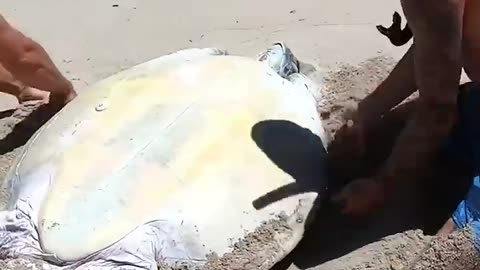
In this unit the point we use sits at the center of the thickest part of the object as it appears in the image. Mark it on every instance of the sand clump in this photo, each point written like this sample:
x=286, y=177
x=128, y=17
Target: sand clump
x=24, y=264
x=389, y=253
x=411, y=250
x=453, y=252
x=258, y=250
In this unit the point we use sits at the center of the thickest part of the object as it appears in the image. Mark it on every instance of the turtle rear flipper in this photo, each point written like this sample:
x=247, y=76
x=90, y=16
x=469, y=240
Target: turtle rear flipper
x=394, y=33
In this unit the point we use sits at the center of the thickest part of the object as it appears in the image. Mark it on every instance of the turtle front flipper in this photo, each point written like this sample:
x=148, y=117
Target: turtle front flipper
x=394, y=33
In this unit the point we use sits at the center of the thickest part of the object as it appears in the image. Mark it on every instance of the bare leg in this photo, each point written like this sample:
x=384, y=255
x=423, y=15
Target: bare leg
x=28, y=62
x=437, y=29
x=437, y=73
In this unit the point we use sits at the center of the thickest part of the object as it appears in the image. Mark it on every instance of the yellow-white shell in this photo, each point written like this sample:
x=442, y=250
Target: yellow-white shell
x=177, y=139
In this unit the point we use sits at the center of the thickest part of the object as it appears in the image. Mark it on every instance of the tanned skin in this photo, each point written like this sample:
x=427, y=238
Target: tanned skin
x=433, y=70
x=26, y=69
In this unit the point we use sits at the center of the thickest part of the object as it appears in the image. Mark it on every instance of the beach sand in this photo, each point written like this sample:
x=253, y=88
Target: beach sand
x=90, y=40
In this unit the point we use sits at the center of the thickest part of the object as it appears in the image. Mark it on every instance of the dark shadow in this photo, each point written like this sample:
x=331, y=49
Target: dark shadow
x=295, y=150
x=6, y=113
x=24, y=129
x=298, y=152
x=333, y=235
x=425, y=205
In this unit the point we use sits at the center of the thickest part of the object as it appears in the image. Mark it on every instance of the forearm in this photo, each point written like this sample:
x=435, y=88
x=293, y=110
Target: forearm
x=417, y=145
x=399, y=84
x=35, y=68
x=437, y=26
x=29, y=62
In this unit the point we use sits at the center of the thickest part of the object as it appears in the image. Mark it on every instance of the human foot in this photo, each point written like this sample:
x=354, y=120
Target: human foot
x=32, y=94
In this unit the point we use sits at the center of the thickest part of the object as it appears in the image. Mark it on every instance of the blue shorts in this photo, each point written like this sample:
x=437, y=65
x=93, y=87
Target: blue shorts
x=464, y=145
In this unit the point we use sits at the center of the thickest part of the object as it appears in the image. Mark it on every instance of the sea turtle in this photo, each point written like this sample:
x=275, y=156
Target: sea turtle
x=195, y=160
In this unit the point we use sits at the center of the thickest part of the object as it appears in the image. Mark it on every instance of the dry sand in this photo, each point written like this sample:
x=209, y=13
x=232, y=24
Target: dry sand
x=93, y=39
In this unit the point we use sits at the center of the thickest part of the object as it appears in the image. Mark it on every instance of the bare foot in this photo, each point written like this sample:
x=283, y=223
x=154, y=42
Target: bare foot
x=32, y=94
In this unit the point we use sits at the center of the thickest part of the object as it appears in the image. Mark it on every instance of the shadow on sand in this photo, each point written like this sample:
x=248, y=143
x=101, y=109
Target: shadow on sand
x=331, y=235
x=25, y=121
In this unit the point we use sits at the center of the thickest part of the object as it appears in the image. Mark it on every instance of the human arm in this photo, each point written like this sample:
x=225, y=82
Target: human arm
x=350, y=140
x=399, y=84
x=437, y=28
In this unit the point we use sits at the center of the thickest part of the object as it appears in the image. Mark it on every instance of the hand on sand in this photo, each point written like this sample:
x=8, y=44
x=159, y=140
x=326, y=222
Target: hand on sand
x=349, y=142
x=361, y=197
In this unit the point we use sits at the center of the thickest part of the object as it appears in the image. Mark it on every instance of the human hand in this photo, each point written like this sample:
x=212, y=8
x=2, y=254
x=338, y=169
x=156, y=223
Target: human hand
x=347, y=151
x=349, y=142
x=362, y=196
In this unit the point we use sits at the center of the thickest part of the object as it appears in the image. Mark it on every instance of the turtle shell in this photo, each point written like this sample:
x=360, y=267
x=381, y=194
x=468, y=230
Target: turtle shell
x=215, y=146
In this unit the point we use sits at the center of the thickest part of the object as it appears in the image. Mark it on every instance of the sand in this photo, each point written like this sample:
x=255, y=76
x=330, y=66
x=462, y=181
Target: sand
x=90, y=40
